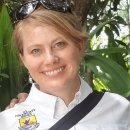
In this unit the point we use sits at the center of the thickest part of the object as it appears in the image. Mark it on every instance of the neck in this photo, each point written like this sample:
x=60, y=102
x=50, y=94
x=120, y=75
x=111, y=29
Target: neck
x=68, y=94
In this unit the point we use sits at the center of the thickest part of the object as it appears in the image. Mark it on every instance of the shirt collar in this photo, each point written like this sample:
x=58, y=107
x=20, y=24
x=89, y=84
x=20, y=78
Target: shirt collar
x=47, y=103
x=85, y=89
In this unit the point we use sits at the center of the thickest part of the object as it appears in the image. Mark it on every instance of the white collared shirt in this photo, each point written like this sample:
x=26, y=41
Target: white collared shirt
x=40, y=111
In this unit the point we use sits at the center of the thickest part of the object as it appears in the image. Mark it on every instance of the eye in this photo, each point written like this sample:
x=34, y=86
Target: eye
x=35, y=51
x=59, y=45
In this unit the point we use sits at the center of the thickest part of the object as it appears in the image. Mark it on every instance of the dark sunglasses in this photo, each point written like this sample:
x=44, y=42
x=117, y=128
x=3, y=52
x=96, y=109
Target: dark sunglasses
x=27, y=8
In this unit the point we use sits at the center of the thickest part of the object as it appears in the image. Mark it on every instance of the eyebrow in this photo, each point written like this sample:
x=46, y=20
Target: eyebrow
x=56, y=39
x=34, y=45
x=40, y=44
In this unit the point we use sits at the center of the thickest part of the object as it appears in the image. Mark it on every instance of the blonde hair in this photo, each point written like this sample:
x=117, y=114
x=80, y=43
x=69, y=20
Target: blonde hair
x=65, y=24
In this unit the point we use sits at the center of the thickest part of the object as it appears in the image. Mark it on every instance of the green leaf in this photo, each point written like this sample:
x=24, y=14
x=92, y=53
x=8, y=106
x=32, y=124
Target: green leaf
x=95, y=31
x=121, y=42
x=109, y=50
x=112, y=75
x=9, y=62
x=114, y=28
x=4, y=75
x=99, y=32
x=109, y=32
x=120, y=19
x=98, y=28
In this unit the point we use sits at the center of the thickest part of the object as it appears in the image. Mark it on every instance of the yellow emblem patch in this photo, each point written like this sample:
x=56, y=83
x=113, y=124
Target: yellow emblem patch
x=28, y=121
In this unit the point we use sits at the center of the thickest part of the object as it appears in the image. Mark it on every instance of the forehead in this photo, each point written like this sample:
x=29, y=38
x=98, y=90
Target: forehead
x=36, y=29
x=40, y=35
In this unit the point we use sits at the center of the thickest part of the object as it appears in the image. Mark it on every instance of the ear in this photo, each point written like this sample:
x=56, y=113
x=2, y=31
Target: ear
x=81, y=47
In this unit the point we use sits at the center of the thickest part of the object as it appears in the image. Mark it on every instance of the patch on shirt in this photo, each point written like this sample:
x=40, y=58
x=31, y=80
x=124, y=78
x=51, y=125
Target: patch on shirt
x=27, y=121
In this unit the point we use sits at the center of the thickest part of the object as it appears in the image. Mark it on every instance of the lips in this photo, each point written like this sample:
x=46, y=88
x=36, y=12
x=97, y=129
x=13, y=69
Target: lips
x=54, y=72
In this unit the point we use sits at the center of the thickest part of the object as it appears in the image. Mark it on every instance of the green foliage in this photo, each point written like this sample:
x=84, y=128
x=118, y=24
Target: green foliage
x=112, y=76
x=107, y=74
x=11, y=81
x=112, y=30
x=4, y=75
x=96, y=31
x=101, y=11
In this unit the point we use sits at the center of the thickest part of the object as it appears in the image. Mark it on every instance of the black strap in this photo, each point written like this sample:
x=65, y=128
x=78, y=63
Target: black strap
x=78, y=112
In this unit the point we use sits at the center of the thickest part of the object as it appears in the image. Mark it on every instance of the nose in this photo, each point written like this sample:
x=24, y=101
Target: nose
x=50, y=58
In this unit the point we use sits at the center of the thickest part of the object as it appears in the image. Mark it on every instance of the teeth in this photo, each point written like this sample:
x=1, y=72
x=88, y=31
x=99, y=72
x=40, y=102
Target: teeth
x=54, y=72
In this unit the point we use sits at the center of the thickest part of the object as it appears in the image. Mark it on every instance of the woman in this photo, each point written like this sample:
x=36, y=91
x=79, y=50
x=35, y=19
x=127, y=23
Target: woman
x=50, y=42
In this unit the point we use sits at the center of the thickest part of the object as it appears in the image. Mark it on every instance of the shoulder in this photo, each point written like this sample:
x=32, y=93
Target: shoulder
x=116, y=104
x=114, y=108
x=11, y=116
x=115, y=98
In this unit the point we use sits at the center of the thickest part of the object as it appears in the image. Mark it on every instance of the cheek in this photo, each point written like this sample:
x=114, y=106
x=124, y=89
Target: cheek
x=73, y=57
x=32, y=64
x=76, y=55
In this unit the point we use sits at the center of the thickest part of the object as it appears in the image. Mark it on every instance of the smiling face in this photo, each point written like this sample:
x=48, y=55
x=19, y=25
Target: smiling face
x=52, y=62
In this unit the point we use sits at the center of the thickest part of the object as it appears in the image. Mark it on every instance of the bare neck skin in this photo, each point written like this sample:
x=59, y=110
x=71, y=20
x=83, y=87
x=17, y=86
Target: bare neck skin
x=67, y=93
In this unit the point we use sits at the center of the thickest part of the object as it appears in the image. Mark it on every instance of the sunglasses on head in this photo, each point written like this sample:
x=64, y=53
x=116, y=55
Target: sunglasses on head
x=27, y=8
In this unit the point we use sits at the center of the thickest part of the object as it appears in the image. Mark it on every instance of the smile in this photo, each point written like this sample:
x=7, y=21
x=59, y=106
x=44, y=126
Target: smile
x=51, y=73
